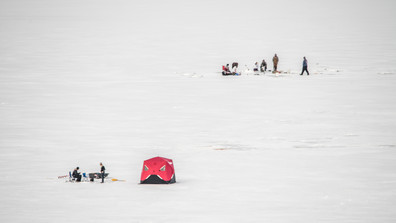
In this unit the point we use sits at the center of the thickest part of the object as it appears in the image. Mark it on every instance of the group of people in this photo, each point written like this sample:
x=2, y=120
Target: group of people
x=231, y=71
x=77, y=175
x=262, y=67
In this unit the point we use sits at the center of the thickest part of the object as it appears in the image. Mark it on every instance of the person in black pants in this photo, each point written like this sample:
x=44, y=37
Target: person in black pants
x=305, y=66
x=263, y=66
x=76, y=175
x=102, y=172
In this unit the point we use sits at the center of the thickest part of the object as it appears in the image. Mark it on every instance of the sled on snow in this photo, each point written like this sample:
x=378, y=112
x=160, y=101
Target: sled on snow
x=97, y=175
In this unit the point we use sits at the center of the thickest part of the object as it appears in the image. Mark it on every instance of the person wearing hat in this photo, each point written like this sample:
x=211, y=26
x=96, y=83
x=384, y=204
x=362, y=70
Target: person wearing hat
x=77, y=175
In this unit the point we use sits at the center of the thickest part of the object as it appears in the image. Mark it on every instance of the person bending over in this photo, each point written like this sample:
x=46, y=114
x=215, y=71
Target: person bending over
x=77, y=175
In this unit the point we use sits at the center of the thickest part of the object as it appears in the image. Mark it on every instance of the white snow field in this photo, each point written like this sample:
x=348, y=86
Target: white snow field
x=118, y=82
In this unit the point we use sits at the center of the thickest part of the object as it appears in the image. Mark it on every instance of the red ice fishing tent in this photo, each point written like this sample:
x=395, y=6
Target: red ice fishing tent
x=158, y=170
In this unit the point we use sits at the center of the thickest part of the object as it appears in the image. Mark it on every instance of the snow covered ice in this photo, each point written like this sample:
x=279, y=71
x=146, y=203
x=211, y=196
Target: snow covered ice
x=118, y=82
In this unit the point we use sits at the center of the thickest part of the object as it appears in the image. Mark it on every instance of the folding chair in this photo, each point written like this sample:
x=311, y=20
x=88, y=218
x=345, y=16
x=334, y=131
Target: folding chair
x=85, y=177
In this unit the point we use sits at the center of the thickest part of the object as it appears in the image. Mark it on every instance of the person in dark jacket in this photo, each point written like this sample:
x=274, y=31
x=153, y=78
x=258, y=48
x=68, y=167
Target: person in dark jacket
x=305, y=66
x=102, y=171
x=263, y=66
x=275, y=60
x=77, y=175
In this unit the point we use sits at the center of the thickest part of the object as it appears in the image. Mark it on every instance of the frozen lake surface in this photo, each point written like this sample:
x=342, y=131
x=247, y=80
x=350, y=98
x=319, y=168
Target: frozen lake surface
x=120, y=82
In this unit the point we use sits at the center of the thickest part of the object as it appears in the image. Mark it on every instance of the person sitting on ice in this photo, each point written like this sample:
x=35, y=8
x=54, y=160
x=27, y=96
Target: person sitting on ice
x=226, y=70
x=235, y=64
x=234, y=68
x=234, y=71
x=77, y=175
x=256, y=67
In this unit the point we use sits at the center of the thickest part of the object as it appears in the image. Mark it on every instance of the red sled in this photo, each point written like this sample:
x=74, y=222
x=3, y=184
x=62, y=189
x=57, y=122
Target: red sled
x=158, y=170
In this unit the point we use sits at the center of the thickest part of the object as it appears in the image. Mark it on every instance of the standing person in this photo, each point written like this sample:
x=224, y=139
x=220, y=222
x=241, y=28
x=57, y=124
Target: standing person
x=275, y=60
x=102, y=171
x=77, y=175
x=263, y=66
x=305, y=66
